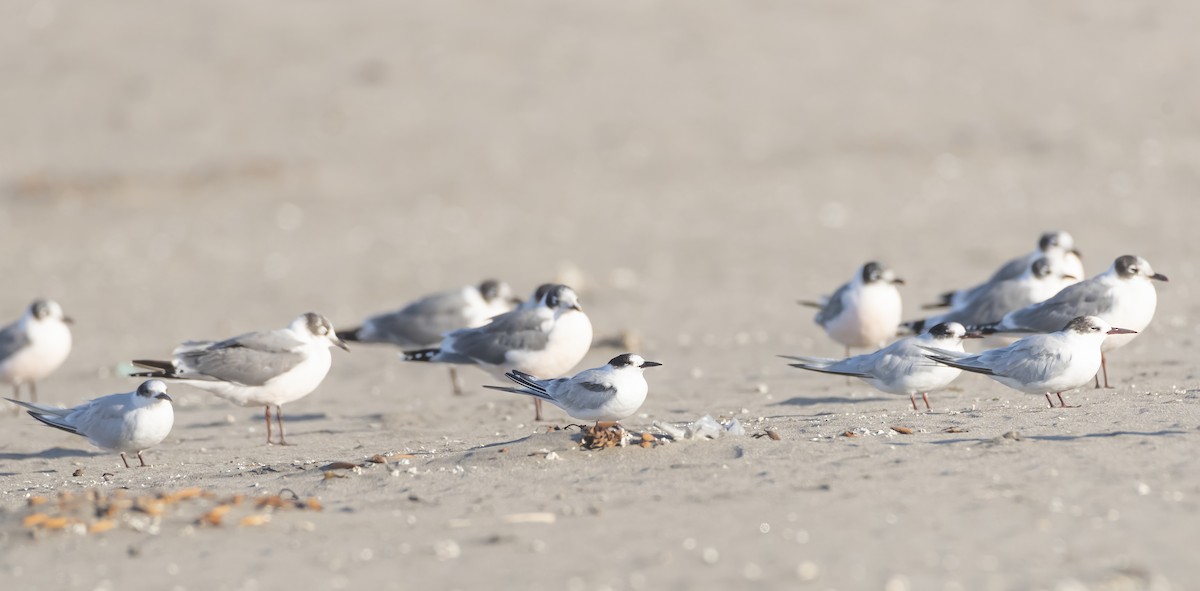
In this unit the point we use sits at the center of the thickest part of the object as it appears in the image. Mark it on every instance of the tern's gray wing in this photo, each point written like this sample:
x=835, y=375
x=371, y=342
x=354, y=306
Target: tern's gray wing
x=519, y=330
x=251, y=359
x=587, y=390
x=106, y=409
x=1027, y=360
x=897, y=359
x=1086, y=298
x=12, y=339
x=1010, y=270
x=989, y=305
x=833, y=305
x=423, y=322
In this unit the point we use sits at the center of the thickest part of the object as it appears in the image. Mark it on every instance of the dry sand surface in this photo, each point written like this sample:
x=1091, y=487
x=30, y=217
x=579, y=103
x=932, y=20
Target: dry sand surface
x=207, y=168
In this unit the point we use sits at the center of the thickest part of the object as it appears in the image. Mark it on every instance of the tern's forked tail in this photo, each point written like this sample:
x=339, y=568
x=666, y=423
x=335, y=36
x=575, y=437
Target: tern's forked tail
x=159, y=369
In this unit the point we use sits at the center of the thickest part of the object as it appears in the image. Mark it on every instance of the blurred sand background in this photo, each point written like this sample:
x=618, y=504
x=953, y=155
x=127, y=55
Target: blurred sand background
x=201, y=169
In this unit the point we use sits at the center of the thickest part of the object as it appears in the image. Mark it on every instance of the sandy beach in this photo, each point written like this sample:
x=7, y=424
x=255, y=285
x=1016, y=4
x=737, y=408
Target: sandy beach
x=205, y=169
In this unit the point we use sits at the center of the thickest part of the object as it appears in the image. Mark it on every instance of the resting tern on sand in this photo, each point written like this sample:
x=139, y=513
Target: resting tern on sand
x=267, y=368
x=983, y=306
x=131, y=422
x=609, y=393
x=1040, y=363
x=863, y=312
x=1124, y=295
x=901, y=367
x=424, y=322
x=545, y=340
x=1057, y=247
x=33, y=346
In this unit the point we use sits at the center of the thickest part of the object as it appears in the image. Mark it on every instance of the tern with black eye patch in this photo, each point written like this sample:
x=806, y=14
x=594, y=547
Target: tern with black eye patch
x=268, y=368
x=863, y=312
x=547, y=340
x=131, y=422
x=1124, y=295
x=1057, y=247
x=899, y=368
x=424, y=322
x=33, y=346
x=611, y=392
x=1042, y=363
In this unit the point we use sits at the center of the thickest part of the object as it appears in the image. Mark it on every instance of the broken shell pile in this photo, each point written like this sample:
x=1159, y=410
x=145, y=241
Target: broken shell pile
x=705, y=427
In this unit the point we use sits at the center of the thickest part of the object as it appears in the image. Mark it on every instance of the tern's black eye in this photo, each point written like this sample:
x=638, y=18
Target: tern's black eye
x=489, y=289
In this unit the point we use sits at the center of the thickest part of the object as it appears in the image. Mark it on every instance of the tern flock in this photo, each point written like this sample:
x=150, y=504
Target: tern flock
x=1067, y=324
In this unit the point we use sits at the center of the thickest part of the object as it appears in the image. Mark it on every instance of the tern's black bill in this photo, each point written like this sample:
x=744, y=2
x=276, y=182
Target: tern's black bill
x=650, y=364
x=1159, y=277
x=1121, y=331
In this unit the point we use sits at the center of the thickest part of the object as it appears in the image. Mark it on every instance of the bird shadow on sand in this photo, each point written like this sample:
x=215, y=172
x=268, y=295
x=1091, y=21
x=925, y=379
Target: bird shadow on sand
x=53, y=453
x=1162, y=433
x=814, y=400
x=314, y=416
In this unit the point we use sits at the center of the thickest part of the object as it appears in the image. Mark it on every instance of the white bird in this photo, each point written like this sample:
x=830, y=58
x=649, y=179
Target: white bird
x=1058, y=247
x=424, y=322
x=990, y=303
x=863, y=312
x=546, y=340
x=265, y=368
x=1124, y=295
x=608, y=393
x=34, y=346
x=131, y=422
x=1041, y=363
x=901, y=367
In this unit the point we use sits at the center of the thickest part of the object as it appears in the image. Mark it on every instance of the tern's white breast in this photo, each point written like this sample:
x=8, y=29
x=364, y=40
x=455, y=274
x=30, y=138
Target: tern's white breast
x=292, y=385
x=1134, y=302
x=870, y=316
x=569, y=341
x=49, y=345
x=1076, y=363
x=142, y=425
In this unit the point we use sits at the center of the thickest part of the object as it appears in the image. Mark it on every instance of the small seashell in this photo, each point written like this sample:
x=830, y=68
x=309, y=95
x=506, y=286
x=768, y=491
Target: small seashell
x=101, y=526
x=56, y=523
x=255, y=520
x=214, y=516
x=34, y=520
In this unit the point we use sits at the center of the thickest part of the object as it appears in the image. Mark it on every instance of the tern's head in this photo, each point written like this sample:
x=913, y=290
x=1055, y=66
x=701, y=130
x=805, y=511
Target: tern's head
x=631, y=360
x=947, y=331
x=43, y=310
x=1044, y=269
x=874, y=272
x=561, y=298
x=1056, y=241
x=494, y=291
x=154, y=389
x=317, y=328
x=1093, y=325
x=1132, y=267
x=538, y=295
